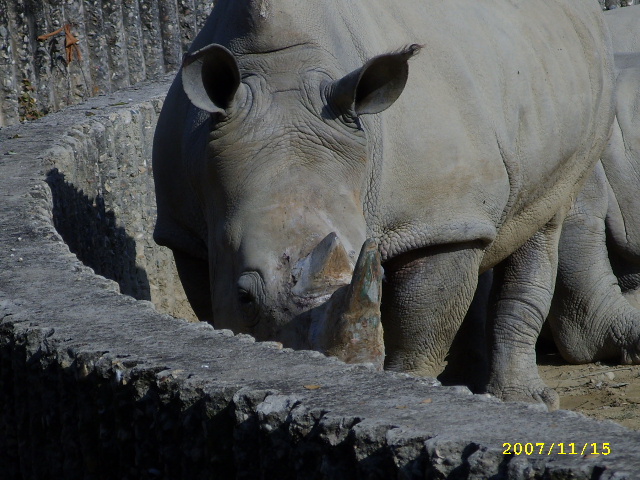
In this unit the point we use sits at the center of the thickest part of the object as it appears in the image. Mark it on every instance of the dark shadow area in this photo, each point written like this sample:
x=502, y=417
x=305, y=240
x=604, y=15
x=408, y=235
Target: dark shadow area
x=552, y=358
x=546, y=345
x=91, y=232
x=625, y=265
x=468, y=357
x=100, y=428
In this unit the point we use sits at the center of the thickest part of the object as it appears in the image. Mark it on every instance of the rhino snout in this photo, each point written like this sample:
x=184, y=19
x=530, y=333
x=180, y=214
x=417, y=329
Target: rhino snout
x=310, y=282
x=328, y=303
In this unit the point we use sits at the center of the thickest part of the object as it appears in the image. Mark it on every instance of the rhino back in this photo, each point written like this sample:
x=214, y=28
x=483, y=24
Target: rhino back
x=505, y=111
x=624, y=24
x=502, y=116
x=621, y=162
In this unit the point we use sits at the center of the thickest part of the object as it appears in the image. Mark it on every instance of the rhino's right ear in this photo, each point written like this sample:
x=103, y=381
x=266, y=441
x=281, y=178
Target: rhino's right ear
x=210, y=78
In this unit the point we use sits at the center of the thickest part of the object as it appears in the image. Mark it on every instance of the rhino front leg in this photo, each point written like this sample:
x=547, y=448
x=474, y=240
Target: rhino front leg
x=591, y=318
x=424, y=300
x=523, y=289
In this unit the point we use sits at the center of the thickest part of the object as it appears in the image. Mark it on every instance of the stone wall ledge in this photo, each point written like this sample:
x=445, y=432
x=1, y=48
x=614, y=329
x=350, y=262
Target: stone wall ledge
x=95, y=384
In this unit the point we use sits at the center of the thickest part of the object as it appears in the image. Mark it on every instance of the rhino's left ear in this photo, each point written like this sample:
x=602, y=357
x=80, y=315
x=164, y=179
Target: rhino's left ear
x=210, y=78
x=374, y=87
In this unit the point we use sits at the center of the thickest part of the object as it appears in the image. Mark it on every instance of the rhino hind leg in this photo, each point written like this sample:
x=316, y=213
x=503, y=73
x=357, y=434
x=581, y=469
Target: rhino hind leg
x=522, y=292
x=419, y=326
x=594, y=315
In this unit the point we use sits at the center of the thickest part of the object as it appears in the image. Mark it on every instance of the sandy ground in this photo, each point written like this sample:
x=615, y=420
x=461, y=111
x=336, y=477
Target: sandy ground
x=599, y=390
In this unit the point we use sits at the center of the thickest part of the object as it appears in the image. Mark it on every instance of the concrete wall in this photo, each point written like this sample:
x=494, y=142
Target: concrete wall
x=611, y=4
x=122, y=42
x=104, y=202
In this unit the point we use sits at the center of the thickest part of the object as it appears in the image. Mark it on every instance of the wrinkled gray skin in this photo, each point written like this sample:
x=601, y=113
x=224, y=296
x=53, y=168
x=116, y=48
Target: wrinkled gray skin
x=596, y=309
x=298, y=130
x=623, y=26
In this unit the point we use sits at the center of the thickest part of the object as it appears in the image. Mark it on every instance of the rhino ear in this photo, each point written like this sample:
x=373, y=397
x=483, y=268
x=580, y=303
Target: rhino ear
x=210, y=78
x=374, y=87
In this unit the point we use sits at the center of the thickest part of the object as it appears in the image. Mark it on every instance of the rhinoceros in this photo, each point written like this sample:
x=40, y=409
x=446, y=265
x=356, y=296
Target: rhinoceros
x=623, y=26
x=595, y=313
x=306, y=147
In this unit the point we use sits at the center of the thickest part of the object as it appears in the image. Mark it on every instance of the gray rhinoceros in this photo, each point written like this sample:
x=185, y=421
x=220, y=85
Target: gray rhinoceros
x=623, y=26
x=596, y=308
x=437, y=141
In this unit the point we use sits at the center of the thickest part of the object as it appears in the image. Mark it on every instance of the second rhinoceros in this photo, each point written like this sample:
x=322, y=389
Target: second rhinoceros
x=306, y=146
x=595, y=313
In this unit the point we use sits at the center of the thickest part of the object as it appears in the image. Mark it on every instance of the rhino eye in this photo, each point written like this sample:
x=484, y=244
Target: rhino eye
x=250, y=296
x=245, y=297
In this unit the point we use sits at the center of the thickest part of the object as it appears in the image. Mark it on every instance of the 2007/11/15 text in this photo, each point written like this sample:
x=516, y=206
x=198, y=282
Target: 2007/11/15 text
x=557, y=448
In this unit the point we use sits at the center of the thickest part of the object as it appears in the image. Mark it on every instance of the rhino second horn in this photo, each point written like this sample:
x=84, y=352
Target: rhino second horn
x=327, y=266
x=352, y=321
x=365, y=290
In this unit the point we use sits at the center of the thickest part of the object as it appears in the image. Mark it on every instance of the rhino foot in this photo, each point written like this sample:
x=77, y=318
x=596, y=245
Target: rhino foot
x=629, y=350
x=630, y=356
x=534, y=391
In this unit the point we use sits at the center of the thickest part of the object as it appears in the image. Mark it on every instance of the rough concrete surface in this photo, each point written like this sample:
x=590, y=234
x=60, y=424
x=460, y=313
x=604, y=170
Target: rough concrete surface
x=121, y=42
x=95, y=384
x=104, y=205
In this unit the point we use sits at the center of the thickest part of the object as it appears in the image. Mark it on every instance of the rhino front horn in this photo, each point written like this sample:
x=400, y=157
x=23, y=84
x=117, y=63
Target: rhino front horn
x=349, y=326
x=325, y=267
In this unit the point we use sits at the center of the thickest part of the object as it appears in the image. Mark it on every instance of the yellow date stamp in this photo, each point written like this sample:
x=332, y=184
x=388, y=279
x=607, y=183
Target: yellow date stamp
x=543, y=448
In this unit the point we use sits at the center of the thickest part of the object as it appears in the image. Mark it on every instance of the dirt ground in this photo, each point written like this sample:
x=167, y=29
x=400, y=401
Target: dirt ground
x=599, y=390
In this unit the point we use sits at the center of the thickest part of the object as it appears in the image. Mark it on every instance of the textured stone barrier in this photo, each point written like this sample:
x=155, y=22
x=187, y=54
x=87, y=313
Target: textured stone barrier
x=121, y=42
x=96, y=384
x=103, y=199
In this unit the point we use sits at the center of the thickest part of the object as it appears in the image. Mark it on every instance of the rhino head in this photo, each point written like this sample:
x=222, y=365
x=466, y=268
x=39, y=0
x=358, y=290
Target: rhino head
x=282, y=185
